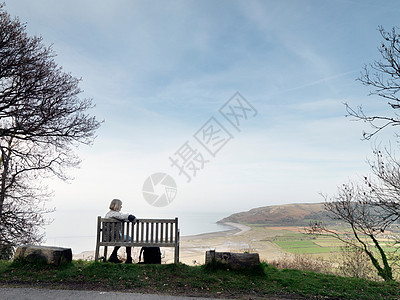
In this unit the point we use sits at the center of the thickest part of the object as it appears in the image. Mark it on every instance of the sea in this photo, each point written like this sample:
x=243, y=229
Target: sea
x=76, y=230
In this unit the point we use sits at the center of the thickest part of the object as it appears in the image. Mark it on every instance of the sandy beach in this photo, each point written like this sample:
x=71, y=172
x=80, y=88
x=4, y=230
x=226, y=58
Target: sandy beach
x=240, y=238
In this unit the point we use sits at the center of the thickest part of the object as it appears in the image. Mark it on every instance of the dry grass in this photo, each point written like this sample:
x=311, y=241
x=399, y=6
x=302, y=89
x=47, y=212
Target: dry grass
x=349, y=263
x=303, y=262
x=356, y=263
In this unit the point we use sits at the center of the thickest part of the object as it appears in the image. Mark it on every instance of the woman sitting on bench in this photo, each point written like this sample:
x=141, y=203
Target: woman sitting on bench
x=115, y=212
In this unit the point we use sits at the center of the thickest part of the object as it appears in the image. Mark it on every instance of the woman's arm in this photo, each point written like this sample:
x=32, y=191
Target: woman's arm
x=117, y=215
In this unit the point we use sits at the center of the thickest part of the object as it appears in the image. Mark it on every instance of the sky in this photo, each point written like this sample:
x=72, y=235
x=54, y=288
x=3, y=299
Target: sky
x=158, y=71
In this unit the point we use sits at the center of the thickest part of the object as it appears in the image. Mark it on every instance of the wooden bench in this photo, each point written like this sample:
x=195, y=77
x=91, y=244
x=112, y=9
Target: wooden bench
x=139, y=233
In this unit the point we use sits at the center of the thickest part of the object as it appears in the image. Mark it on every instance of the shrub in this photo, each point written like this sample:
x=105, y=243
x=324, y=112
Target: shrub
x=354, y=262
x=6, y=251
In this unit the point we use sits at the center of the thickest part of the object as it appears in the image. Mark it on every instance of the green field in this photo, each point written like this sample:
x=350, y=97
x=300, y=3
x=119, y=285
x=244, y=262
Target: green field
x=299, y=243
x=326, y=246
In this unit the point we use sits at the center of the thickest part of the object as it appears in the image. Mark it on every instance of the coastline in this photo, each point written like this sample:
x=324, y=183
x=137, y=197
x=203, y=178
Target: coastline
x=240, y=238
x=236, y=229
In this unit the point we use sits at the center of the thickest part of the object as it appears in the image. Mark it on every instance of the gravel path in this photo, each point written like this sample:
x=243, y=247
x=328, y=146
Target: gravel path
x=46, y=294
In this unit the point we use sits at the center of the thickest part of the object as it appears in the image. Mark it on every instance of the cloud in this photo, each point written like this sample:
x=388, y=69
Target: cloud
x=158, y=72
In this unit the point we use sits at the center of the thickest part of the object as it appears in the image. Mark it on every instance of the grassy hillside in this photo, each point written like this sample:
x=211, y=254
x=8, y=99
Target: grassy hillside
x=212, y=281
x=282, y=215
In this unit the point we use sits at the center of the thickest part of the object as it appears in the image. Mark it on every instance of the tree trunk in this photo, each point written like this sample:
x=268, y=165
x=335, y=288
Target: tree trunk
x=233, y=260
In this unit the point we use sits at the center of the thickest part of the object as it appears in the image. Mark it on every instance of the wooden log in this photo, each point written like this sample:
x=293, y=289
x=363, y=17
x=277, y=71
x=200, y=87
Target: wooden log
x=233, y=260
x=50, y=255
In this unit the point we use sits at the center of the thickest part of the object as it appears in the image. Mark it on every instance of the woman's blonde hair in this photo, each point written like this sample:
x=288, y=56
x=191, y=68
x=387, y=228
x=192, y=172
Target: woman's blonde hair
x=116, y=205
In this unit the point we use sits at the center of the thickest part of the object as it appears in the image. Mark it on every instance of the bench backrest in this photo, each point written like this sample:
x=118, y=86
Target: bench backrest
x=141, y=232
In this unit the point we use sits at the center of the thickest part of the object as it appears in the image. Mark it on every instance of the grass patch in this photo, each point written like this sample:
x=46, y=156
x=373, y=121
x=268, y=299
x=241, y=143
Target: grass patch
x=299, y=243
x=213, y=281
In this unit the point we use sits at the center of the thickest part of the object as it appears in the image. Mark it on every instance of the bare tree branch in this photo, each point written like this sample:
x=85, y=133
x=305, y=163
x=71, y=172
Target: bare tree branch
x=383, y=77
x=42, y=120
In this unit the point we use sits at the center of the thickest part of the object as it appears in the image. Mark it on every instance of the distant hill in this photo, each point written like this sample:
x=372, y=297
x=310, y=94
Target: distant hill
x=282, y=215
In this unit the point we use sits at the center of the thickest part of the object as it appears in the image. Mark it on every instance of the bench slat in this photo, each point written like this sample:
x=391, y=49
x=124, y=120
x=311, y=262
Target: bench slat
x=132, y=231
x=147, y=232
x=108, y=220
x=166, y=232
x=162, y=231
x=171, y=232
x=156, y=232
x=152, y=232
x=141, y=232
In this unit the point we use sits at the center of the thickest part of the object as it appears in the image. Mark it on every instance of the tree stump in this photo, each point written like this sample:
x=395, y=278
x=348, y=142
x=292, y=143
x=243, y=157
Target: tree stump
x=233, y=260
x=50, y=255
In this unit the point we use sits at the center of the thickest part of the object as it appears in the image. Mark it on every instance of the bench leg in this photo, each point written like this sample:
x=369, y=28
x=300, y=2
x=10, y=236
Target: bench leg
x=176, y=260
x=105, y=253
x=96, y=256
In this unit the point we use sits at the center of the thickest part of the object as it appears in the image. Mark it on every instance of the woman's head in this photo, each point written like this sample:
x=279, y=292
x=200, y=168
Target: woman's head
x=116, y=205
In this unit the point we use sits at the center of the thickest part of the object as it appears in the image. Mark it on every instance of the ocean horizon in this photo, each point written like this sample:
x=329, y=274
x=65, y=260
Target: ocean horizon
x=84, y=239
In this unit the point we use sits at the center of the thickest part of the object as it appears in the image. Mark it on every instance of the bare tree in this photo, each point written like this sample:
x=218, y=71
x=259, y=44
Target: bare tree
x=383, y=77
x=369, y=211
x=42, y=120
